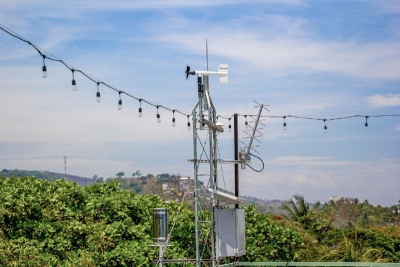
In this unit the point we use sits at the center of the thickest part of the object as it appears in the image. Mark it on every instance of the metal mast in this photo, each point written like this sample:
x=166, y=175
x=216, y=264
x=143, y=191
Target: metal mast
x=205, y=119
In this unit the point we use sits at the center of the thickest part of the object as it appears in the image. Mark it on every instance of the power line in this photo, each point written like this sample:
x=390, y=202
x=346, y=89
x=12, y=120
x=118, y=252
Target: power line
x=46, y=55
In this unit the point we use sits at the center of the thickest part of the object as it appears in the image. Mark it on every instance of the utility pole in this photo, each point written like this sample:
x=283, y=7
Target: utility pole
x=65, y=167
x=236, y=151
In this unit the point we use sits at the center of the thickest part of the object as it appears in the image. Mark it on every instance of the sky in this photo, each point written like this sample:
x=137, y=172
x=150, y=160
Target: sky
x=315, y=59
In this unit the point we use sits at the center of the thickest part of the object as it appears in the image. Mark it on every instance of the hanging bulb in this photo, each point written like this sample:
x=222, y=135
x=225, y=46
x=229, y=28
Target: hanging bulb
x=366, y=122
x=44, y=69
x=230, y=126
x=120, y=101
x=173, y=118
x=246, y=123
x=140, y=108
x=98, y=93
x=98, y=97
x=158, y=116
x=325, y=127
x=284, y=123
x=188, y=123
x=74, y=88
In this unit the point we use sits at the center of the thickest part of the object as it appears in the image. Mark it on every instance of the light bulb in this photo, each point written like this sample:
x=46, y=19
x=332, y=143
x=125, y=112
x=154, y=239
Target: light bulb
x=158, y=118
x=44, y=71
x=230, y=128
x=120, y=104
x=188, y=126
x=98, y=97
x=366, y=126
x=173, y=122
x=140, y=112
x=325, y=129
x=247, y=125
x=284, y=126
x=74, y=88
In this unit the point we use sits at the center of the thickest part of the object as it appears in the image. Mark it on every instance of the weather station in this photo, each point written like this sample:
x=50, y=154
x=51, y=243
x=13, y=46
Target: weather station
x=226, y=226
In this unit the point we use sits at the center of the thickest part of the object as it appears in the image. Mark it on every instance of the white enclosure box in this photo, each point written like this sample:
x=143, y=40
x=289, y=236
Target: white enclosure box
x=230, y=233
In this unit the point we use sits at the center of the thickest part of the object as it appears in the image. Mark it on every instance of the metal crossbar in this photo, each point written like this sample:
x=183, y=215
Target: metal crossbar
x=305, y=264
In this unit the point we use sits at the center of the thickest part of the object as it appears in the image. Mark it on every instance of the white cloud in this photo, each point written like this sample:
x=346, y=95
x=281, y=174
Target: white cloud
x=284, y=55
x=381, y=101
x=322, y=181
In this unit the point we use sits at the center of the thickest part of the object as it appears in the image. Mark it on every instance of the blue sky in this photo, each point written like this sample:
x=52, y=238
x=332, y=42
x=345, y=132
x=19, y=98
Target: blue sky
x=319, y=59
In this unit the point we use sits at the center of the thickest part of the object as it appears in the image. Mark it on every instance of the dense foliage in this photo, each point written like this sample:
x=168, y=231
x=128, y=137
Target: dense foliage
x=63, y=224
x=47, y=223
x=60, y=223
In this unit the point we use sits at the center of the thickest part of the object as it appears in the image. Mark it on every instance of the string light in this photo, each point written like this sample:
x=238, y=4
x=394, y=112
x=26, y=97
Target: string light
x=230, y=126
x=98, y=93
x=173, y=118
x=284, y=123
x=325, y=127
x=246, y=123
x=120, y=101
x=140, y=108
x=44, y=69
x=74, y=88
x=158, y=116
x=188, y=123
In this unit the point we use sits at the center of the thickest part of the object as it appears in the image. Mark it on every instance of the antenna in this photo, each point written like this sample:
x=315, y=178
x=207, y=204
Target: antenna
x=254, y=133
x=207, y=52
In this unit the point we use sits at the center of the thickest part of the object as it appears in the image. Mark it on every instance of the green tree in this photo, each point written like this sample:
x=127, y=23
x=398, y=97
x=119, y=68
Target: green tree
x=137, y=174
x=268, y=241
x=352, y=251
x=297, y=208
x=120, y=174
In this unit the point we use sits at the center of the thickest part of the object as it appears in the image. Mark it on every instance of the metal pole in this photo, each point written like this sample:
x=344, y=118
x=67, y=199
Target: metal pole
x=196, y=184
x=236, y=148
x=160, y=256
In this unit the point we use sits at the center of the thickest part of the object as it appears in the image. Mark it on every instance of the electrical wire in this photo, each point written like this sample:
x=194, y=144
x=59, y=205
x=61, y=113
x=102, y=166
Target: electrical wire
x=43, y=53
x=261, y=162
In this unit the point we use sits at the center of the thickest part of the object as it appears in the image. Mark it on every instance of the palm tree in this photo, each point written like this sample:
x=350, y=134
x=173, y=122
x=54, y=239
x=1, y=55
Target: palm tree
x=352, y=251
x=298, y=208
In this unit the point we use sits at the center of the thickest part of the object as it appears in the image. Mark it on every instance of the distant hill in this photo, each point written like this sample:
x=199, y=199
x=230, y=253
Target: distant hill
x=265, y=206
x=46, y=175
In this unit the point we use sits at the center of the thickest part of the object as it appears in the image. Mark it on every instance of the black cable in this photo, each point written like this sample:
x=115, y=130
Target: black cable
x=45, y=54
x=261, y=162
x=70, y=67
